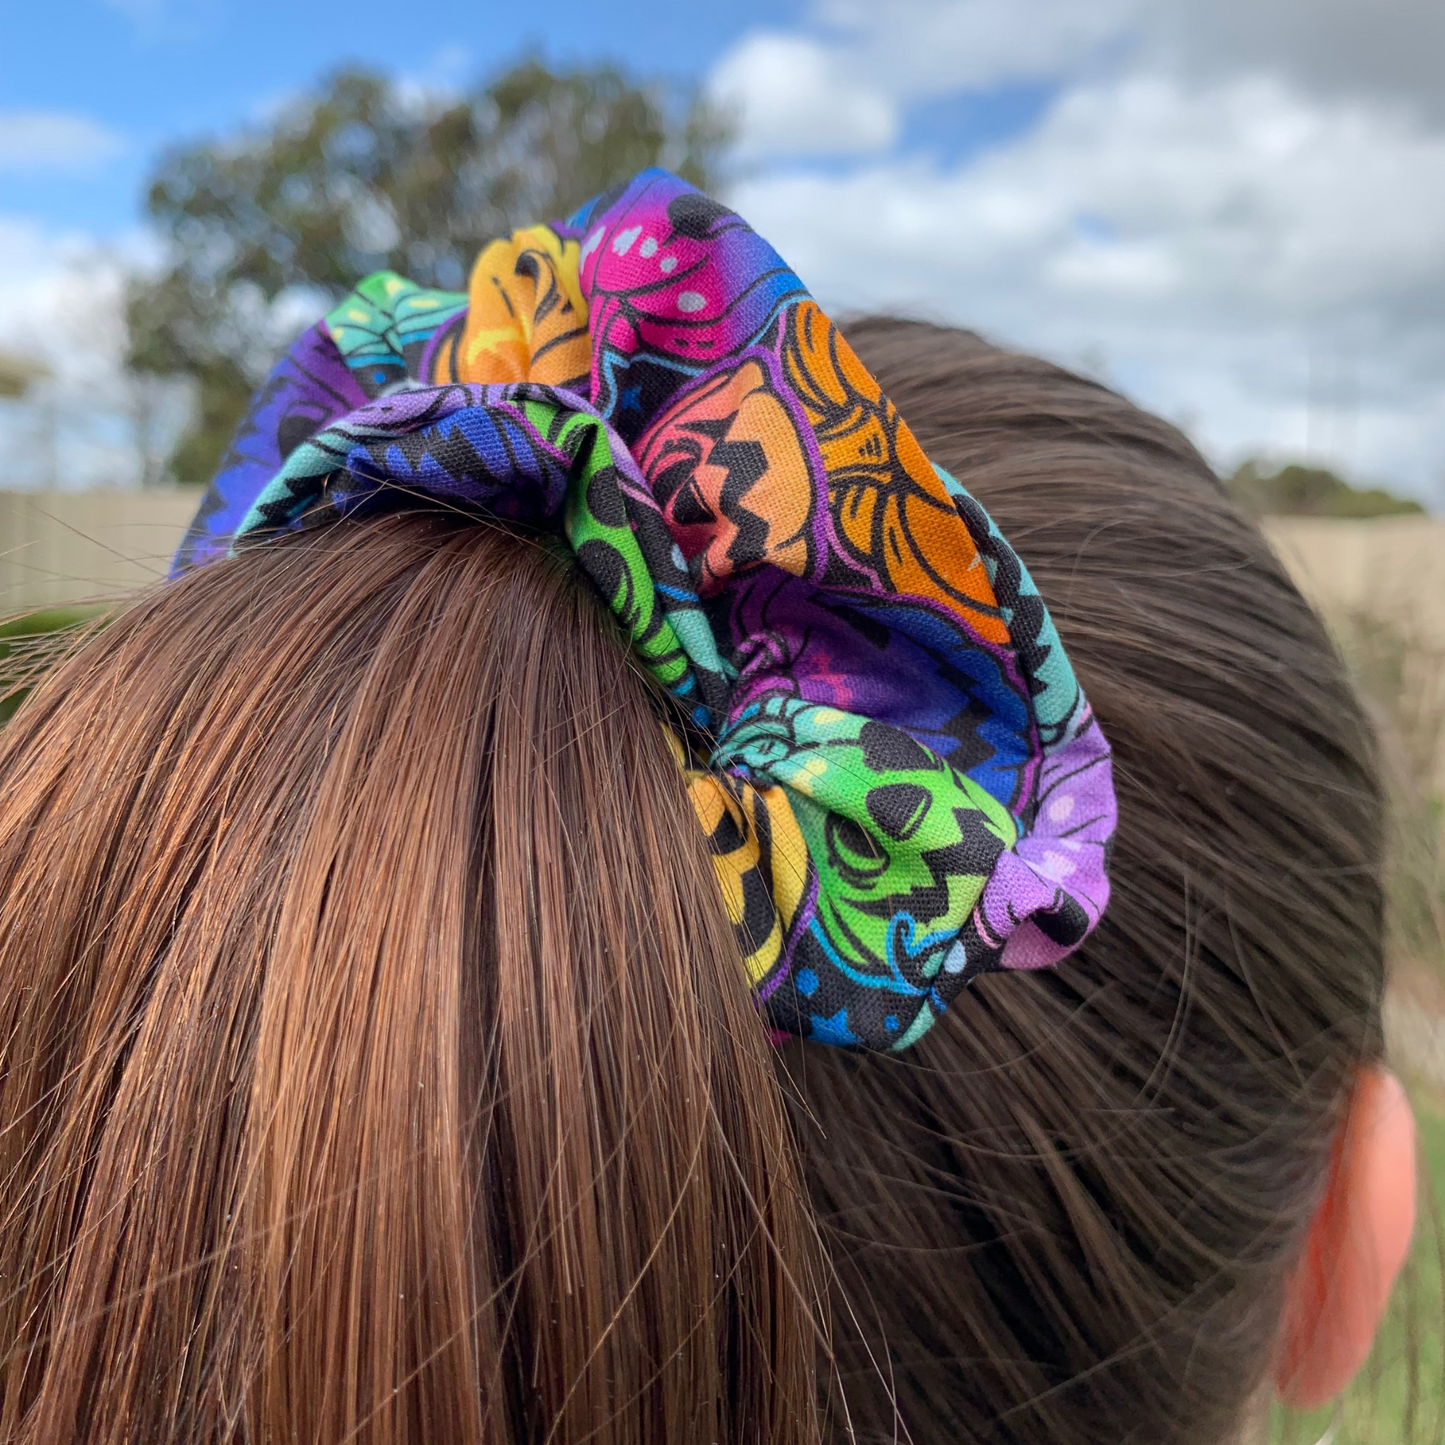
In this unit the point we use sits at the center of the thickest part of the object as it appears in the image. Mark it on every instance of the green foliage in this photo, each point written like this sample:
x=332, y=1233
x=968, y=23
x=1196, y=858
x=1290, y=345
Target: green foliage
x=1297, y=491
x=32, y=643
x=18, y=373
x=364, y=175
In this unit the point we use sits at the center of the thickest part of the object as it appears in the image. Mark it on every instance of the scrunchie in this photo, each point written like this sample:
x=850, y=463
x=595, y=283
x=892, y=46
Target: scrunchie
x=904, y=785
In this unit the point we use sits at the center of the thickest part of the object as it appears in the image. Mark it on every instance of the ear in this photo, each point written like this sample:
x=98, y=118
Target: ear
x=1356, y=1244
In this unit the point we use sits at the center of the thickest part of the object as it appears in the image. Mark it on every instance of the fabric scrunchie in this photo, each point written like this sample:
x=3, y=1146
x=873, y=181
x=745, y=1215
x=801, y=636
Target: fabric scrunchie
x=904, y=786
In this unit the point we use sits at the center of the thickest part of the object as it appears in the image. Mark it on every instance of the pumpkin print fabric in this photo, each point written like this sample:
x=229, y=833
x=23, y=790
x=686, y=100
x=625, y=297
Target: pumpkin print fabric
x=900, y=779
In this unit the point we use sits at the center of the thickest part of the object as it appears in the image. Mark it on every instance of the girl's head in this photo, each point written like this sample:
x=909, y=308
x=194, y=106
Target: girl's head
x=379, y=1063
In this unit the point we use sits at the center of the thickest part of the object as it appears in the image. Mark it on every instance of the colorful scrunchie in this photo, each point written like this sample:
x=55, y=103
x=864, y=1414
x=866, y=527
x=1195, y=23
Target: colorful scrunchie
x=904, y=786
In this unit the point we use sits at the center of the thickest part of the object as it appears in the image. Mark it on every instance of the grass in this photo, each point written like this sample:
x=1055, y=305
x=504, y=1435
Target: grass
x=1399, y=1396
x=1398, y=662
x=1399, y=666
x=29, y=644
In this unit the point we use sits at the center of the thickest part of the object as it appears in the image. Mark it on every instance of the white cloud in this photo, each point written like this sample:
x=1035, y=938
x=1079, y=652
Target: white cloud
x=886, y=53
x=838, y=87
x=1261, y=263
x=37, y=140
x=1238, y=206
x=88, y=423
x=794, y=95
x=928, y=47
x=1389, y=51
x=1384, y=50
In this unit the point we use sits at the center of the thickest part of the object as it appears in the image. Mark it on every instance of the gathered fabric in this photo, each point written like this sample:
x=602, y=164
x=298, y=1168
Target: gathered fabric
x=901, y=781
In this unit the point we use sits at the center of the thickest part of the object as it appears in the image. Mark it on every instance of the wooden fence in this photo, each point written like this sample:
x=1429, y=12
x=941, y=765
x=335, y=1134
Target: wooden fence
x=62, y=547
x=58, y=547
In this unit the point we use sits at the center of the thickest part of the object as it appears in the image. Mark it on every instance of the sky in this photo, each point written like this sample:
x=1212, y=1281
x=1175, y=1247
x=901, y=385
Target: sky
x=1233, y=210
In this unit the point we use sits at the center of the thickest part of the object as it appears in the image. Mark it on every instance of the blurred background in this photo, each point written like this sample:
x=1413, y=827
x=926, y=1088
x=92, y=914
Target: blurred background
x=1231, y=210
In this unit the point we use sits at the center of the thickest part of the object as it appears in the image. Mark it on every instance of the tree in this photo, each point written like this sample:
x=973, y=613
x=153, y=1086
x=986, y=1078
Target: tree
x=271, y=227
x=19, y=373
x=1298, y=491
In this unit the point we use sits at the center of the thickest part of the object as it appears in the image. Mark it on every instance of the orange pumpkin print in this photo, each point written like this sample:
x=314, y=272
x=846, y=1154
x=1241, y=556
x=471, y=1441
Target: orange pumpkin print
x=732, y=477
x=889, y=508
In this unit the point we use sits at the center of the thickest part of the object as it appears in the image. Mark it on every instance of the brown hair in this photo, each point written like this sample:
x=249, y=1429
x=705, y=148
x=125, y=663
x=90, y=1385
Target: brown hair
x=378, y=1061
x=1067, y=1214
x=378, y=1065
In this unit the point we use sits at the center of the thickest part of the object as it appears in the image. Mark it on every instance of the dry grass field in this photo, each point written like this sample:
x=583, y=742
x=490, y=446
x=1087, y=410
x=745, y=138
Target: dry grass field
x=1380, y=585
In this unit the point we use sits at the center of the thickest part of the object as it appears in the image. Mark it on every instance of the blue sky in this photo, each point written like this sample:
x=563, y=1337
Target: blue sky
x=1232, y=209
x=154, y=72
